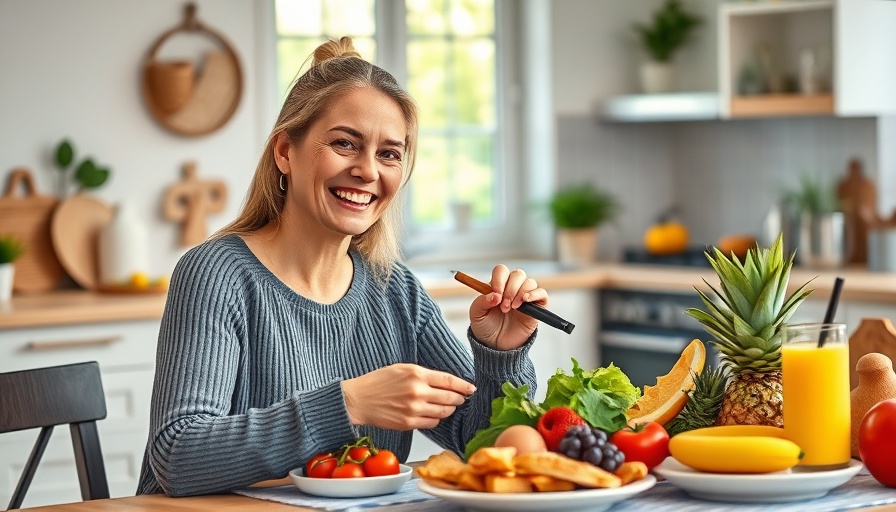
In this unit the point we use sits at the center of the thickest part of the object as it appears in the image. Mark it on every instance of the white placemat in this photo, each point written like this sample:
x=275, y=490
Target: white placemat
x=409, y=497
x=861, y=491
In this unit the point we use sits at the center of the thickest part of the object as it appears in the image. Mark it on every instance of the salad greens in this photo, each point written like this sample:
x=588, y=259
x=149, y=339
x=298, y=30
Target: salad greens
x=600, y=396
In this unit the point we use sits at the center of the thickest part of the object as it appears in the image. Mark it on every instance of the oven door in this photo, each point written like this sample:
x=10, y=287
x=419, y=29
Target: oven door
x=643, y=354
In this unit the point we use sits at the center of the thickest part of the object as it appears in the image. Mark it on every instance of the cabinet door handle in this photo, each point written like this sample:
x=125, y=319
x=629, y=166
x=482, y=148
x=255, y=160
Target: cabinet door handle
x=39, y=346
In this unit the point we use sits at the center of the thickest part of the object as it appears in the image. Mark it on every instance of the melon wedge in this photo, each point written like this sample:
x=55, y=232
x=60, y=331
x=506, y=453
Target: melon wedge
x=662, y=402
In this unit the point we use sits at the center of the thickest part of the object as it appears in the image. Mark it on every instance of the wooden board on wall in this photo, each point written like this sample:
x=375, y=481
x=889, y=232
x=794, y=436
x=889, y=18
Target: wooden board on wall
x=27, y=217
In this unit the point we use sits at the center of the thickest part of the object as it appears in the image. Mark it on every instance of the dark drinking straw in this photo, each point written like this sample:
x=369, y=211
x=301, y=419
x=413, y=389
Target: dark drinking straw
x=832, y=310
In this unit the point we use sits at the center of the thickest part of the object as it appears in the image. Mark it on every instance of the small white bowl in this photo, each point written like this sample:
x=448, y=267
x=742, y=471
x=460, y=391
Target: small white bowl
x=351, y=487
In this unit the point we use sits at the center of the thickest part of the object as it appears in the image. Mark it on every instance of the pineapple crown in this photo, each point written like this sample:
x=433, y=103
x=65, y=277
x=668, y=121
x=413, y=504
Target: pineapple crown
x=747, y=319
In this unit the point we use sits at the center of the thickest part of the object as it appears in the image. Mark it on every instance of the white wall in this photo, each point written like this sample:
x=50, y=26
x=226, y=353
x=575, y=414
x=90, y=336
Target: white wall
x=72, y=69
x=597, y=55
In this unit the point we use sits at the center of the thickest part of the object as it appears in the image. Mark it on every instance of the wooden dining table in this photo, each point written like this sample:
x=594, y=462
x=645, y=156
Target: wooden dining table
x=161, y=502
x=235, y=502
x=221, y=502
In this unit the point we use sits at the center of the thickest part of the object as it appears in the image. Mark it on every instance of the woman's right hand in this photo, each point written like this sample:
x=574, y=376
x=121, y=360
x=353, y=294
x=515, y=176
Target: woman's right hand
x=404, y=397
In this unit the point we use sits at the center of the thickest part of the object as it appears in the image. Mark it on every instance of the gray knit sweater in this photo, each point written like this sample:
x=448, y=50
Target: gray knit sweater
x=248, y=373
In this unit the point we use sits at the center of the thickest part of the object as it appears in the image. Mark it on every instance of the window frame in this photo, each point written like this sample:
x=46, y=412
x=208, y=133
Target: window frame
x=507, y=237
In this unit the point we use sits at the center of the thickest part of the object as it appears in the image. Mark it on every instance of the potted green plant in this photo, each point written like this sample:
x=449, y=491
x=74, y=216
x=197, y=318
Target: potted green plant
x=668, y=30
x=86, y=175
x=10, y=250
x=577, y=211
x=820, y=223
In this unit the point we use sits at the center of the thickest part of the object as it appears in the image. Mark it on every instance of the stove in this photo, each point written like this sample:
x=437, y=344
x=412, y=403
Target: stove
x=643, y=332
x=691, y=257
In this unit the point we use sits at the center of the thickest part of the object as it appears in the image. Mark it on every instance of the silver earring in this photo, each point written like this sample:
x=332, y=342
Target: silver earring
x=282, y=182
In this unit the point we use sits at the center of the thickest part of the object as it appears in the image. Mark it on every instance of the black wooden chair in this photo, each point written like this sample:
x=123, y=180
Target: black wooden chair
x=46, y=397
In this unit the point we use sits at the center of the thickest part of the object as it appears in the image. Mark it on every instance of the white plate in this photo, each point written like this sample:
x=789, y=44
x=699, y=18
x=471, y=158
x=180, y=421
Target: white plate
x=569, y=501
x=749, y=488
x=351, y=487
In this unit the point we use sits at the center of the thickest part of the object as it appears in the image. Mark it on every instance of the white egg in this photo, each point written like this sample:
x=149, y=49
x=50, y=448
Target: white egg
x=522, y=437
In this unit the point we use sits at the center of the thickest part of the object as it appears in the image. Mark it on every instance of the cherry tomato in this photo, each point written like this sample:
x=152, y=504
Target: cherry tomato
x=647, y=442
x=359, y=454
x=321, y=466
x=382, y=464
x=310, y=464
x=877, y=444
x=349, y=470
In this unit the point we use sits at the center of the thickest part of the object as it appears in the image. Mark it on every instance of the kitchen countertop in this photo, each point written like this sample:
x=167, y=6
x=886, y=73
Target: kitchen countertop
x=76, y=306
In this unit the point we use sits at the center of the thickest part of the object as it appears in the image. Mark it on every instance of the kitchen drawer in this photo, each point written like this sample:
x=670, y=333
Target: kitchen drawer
x=114, y=345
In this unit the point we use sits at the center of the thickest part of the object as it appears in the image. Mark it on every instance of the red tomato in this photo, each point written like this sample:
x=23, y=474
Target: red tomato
x=877, y=444
x=359, y=454
x=321, y=466
x=382, y=464
x=648, y=443
x=349, y=470
x=310, y=464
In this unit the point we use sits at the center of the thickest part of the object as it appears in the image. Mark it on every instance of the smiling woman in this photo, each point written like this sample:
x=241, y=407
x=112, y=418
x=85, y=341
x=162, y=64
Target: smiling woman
x=295, y=329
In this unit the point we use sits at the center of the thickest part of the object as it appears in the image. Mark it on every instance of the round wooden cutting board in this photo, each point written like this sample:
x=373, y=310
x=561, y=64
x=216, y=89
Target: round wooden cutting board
x=75, y=232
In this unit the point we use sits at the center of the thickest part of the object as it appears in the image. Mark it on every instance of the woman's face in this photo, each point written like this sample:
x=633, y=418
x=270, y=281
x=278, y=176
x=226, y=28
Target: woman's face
x=349, y=166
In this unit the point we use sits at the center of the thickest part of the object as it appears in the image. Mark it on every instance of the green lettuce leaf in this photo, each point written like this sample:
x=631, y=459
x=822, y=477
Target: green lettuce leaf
x=602, y=410
x=514, y=408
x=600, y=396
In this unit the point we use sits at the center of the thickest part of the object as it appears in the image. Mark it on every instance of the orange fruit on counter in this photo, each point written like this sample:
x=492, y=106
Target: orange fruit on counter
x=662, y=402
x=139, y=280
x=666, y=238
x=737, y=244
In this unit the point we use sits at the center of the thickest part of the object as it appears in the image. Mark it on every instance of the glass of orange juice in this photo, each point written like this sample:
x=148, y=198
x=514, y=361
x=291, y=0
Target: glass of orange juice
x=816, y=393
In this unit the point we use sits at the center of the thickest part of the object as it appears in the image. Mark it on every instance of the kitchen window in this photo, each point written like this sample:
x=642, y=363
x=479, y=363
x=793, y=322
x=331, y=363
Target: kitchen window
x=453, y=56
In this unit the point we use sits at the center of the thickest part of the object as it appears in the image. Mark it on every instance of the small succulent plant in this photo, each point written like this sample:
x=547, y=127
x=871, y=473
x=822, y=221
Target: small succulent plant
x=10, y=249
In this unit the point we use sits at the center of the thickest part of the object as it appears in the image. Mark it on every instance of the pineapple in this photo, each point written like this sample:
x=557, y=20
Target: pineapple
x=704, y=402
x=746, y=325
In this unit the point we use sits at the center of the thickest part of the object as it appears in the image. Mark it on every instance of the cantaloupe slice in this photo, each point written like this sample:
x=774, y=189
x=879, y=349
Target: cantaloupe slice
x=664, y=401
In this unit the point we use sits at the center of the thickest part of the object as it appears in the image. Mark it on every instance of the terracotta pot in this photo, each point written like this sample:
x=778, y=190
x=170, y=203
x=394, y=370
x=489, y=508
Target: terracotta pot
x=577, y=247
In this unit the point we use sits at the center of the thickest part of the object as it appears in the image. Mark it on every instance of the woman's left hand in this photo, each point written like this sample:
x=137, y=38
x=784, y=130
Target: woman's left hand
x=494, y=318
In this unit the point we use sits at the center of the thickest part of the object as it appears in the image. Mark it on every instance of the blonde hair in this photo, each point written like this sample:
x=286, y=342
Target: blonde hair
x=337, y=69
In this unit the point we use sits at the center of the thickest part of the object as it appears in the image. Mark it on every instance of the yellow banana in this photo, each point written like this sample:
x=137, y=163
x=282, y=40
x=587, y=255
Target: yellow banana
x=738, y=449
x=736, y=431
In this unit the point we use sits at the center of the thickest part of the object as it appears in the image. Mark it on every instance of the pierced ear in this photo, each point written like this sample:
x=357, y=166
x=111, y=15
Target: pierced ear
x=281, y=152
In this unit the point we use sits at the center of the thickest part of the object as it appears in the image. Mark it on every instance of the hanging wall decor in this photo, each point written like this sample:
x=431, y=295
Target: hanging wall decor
x=190, y=200
x=192, y=95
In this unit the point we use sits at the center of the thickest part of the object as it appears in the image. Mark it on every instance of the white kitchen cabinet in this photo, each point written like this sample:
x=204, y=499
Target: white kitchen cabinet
x=125, y=352
x=553, y=348
x=845, y=45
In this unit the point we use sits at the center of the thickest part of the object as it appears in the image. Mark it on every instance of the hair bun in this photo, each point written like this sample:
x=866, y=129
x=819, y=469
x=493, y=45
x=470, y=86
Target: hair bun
x=334, y=50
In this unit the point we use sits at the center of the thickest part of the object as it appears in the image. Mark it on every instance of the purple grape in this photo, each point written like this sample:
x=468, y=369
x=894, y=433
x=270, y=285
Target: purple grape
x=593, y=456
x=591, y=445
x=570, y=445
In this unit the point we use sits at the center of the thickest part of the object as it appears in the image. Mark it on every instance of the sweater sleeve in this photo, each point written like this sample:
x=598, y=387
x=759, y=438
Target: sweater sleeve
x=197, y=445
x=488, y=369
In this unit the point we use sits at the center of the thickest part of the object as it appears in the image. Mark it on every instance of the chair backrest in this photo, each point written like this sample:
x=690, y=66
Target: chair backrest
x=58, y=395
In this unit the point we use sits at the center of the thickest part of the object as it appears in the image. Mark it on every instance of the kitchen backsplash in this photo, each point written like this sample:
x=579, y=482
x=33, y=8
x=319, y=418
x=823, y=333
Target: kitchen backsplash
x=723, y=176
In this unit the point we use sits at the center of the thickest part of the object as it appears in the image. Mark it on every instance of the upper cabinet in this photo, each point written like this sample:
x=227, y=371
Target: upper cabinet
x=787, y=58
x=807, y=57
